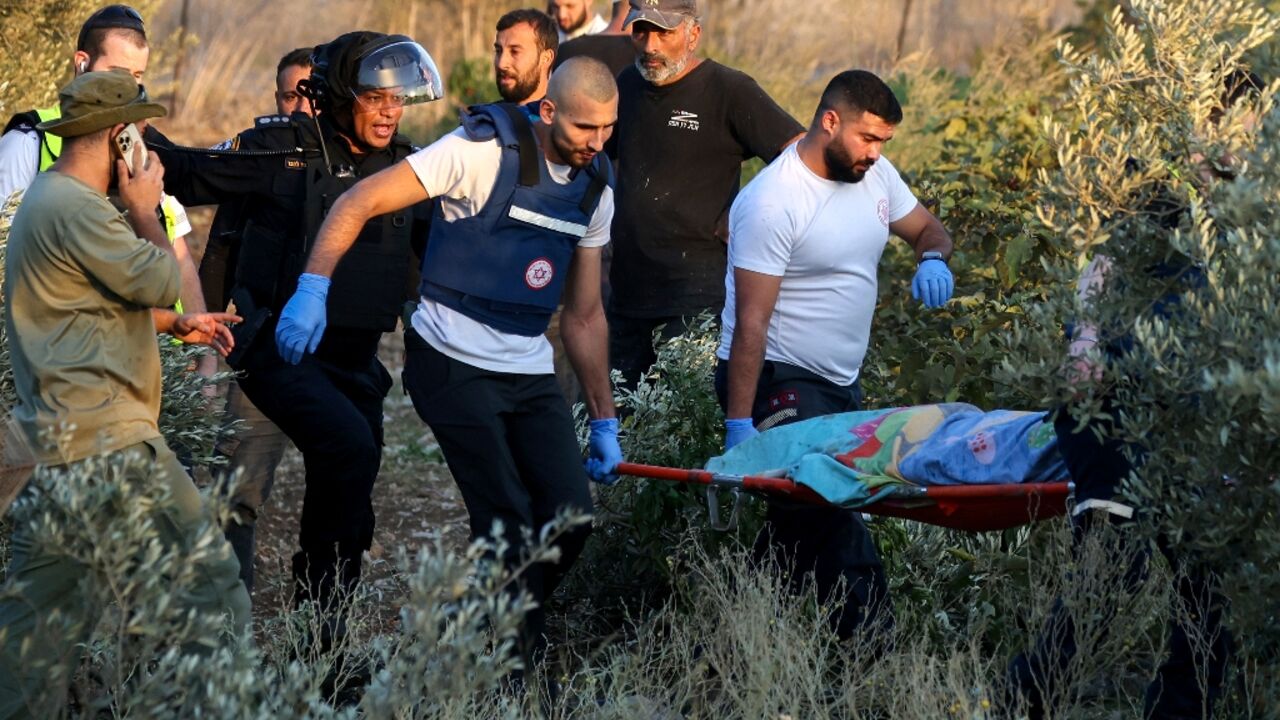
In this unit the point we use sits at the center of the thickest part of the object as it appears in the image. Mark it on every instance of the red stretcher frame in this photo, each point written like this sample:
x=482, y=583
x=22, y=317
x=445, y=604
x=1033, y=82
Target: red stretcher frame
x=973, y=508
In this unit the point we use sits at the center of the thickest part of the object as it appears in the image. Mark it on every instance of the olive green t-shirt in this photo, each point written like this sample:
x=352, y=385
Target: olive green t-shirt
x=79, y=286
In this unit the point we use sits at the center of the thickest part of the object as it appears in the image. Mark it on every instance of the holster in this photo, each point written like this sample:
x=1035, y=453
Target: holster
x=254, y=317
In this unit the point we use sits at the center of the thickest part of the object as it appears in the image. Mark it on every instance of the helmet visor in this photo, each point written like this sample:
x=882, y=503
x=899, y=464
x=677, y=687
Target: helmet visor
x=404, y=68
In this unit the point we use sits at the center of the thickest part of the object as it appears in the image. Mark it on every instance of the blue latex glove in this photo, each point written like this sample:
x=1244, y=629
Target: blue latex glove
x=302, y=321
x=737, y=430
x=933, y=283
x=603, y=451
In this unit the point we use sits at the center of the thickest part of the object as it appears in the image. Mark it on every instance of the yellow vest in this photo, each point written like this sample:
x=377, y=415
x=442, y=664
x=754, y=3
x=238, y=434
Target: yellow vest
x=50, y=144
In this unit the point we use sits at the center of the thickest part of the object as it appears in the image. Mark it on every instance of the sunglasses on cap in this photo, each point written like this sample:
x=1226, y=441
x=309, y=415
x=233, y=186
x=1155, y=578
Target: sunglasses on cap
x=111, y=16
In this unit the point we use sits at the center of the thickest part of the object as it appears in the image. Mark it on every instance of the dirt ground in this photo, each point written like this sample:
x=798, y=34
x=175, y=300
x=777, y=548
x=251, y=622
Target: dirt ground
x=414, y=498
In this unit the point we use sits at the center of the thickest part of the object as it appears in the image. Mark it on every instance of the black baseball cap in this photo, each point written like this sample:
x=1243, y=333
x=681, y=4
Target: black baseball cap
x=111, y=16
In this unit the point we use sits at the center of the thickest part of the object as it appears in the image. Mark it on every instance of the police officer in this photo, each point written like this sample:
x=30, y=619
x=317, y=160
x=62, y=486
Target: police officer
x=253, y=446
x=329, y=403
x=523, y=210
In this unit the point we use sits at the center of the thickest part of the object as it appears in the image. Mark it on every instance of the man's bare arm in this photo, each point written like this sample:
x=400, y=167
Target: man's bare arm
x=585, y=332
x=923, y=232
x=387, y=191
x=755, y=295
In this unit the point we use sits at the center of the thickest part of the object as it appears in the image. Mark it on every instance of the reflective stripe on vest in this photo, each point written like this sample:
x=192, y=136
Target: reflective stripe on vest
x=506, y=265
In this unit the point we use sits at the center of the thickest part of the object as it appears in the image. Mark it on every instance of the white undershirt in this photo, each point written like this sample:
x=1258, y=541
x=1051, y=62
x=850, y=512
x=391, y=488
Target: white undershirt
x=19, y=161
x=462, y=173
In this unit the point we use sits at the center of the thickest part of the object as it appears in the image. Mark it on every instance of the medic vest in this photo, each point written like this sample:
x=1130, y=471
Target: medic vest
x=50, y=145
x=506, y=265
x=369, y=285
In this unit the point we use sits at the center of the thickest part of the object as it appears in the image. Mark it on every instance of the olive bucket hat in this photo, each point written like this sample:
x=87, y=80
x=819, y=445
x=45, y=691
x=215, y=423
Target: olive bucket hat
x=97, y=100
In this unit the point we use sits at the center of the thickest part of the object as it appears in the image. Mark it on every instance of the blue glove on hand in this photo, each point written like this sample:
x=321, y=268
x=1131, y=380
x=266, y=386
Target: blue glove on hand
x=933, y=283
x=303, y=319
x=603, y=452
x=737, y=430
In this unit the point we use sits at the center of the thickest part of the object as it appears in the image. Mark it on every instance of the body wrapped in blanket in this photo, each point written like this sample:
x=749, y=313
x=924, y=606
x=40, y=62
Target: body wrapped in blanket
x=852, y=459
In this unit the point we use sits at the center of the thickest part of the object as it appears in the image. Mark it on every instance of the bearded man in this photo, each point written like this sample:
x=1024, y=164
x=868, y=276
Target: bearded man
x=685, y=126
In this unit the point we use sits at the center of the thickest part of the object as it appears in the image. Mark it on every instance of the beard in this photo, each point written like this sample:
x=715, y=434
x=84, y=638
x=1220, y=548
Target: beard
x=576, y=22
x=841, y=164
x=575, y=157
x=666, y=69
x=520, y=91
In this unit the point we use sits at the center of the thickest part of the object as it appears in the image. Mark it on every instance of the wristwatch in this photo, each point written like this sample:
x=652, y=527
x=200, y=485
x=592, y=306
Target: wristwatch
x=932, y=255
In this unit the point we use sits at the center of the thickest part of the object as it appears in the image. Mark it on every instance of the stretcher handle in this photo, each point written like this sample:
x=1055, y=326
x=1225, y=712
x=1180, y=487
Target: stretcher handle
x=773, y=481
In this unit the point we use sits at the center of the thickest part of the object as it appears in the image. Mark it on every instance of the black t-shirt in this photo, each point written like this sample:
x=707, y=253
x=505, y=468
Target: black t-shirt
x=680, y=150
x=615, y=51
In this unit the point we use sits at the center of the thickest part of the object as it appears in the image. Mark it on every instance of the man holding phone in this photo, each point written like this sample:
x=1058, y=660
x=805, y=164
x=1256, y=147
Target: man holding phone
x=112, y=38
x=86, y=289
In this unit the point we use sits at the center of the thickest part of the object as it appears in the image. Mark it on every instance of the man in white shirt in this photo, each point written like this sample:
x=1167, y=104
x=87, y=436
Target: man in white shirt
x=524, y=210
x=576, y=18
x=805, y=239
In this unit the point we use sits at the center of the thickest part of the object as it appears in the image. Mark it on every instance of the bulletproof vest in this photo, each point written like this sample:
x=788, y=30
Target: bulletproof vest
x=368, y=289
x=50, y=145
x=506, y=266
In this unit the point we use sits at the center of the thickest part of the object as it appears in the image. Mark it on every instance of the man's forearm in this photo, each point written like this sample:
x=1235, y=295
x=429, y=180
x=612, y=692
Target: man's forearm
x=148, y=227
x=746, y=358
x=163, y=319
x=338, y=233
x=934, y=237
x=191, y=294
x=586, y=342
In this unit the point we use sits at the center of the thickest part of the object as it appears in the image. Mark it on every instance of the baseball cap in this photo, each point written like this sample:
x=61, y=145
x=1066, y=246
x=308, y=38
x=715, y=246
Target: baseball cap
x=666, y=14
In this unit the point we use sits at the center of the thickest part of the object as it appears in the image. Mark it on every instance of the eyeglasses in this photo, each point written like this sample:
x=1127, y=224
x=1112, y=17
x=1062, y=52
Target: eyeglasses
x=374, y=100
x=111, y=16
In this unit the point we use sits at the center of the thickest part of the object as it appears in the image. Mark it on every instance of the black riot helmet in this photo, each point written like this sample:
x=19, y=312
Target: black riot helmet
x=364, y=60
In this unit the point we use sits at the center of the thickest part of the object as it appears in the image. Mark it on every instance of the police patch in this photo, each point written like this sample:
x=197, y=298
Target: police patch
x=539, y=273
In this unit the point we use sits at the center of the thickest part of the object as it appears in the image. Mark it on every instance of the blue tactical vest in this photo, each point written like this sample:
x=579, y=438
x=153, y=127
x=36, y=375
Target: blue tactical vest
x=506, y=266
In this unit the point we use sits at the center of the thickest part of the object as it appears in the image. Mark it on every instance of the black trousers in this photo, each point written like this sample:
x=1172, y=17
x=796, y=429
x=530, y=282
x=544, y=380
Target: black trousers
x=831, y=543
x=1099, y=466
x=330, y=406
x=509, y=441
x=631, y=342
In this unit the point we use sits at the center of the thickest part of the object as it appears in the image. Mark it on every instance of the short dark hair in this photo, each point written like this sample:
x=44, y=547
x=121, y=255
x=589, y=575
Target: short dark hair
x=109, y=19
x=859, y=91
x=300, y=57
x=95, y=39
x=544, y=28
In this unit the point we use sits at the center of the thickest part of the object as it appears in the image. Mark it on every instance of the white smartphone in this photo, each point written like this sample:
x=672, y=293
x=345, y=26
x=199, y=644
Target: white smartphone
x=125, y=142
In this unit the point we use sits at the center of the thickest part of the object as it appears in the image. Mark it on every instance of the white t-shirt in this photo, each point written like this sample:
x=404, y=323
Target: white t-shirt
x=824, y=239
x=19, y=161
x=594, y=26
x=462, y=173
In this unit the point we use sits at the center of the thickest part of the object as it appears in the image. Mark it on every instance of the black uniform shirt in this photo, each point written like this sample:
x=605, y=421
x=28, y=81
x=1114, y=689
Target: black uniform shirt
x=273, y=190
x=680, y=150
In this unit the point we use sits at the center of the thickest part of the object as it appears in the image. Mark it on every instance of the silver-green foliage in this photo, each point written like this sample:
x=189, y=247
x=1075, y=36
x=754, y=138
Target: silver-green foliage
x=1142, y=156
x=150, y=656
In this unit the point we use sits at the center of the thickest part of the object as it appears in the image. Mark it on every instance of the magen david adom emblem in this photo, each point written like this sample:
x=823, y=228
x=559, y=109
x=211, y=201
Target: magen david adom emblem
x=539, y=273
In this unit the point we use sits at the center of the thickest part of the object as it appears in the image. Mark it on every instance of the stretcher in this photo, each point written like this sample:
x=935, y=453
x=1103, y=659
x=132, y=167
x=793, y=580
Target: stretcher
x=951, y=465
